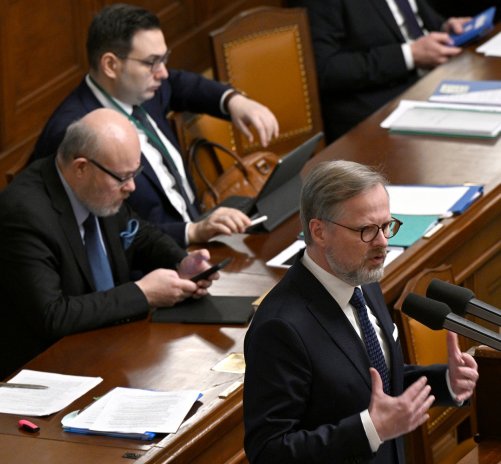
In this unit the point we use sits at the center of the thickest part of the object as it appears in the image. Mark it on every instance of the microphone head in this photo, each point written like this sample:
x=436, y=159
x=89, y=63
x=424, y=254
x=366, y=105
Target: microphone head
x=453, y=296
x=429, y=312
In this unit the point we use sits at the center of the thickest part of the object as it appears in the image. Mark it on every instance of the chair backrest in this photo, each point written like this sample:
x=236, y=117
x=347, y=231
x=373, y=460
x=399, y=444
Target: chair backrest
x=447, y=426
x=267, y=53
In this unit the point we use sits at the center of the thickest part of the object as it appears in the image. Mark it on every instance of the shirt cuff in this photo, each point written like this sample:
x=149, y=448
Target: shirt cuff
x=186, y=233
x=407, y=52
x=371, y=432
x=451, y=391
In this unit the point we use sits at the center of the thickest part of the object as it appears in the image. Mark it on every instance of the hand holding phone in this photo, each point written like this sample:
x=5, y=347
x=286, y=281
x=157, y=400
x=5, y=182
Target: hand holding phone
x=208, y=272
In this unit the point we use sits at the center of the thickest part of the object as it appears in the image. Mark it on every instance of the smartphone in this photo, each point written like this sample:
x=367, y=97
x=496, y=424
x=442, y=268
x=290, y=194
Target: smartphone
x=208, y=272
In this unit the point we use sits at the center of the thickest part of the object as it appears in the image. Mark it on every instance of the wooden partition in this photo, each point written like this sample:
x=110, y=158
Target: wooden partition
x=42, y=56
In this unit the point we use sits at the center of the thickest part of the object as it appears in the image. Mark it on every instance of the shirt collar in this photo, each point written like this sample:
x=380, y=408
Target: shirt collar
x=104, y=99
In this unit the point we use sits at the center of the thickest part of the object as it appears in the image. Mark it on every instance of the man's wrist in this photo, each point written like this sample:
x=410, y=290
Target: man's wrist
x=227, y=98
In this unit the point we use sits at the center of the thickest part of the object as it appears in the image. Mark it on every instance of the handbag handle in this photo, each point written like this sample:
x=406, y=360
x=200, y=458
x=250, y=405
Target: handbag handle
x=194, y=160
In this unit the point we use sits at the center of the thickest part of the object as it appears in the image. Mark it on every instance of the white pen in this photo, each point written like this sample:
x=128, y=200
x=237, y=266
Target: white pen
x=258, y=220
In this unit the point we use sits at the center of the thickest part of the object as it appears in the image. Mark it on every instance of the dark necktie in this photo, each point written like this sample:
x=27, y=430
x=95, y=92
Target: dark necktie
x=140, y=116
x=99, y=264
x=371, y=341
x=410, y=20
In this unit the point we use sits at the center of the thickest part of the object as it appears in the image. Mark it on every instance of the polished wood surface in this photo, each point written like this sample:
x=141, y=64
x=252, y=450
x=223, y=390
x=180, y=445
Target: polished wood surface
x=176, y=356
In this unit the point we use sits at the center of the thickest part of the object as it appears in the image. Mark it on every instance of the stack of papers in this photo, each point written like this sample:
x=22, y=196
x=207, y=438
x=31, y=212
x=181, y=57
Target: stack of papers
x=448, y=119
x=132, y=413
x=62, y=390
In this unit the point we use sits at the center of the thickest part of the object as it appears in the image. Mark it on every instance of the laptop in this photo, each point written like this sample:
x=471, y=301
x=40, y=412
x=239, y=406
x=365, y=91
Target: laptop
x=279, y=197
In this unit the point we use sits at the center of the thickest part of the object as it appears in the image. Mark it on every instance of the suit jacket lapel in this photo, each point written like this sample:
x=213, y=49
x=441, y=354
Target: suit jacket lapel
x=382, y=8
x=67, y=219
x=332, y=318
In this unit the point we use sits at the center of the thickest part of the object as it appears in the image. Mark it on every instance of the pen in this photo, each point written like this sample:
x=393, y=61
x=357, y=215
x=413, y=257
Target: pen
x=258, y=220
x=23, y=385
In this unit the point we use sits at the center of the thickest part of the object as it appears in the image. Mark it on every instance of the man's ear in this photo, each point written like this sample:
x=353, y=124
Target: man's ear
x=80, y=165
x=317, y=231
x=110, y=64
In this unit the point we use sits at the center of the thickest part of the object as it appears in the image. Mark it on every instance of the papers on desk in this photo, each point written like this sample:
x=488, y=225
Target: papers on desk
x=418, y=117
x=421, y=207
x=441, y=200
x=133, y=413
x=468, y=92
x=62, y=391
x=492, y=47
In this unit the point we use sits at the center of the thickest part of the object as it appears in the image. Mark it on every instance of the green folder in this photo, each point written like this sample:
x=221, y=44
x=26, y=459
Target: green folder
x=412, y=229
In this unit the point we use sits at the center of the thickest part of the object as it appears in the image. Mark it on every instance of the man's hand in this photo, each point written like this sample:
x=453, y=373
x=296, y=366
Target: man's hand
x=165, y=287
x=223, y=221
x=432, y=50
x=463, y=371
x=396, y=416
x=245, y=112
x=455, y=25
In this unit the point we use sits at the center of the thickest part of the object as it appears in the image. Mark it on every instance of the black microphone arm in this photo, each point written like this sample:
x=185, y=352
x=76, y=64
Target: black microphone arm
x=462, y=300
x=437, y=315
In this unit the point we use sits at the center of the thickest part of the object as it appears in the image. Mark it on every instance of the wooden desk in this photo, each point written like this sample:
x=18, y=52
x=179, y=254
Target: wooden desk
x=174, y=356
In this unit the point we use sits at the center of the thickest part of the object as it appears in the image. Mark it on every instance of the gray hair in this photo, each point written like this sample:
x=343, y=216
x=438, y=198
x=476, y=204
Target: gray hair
x=79, y=140
x=329, y=184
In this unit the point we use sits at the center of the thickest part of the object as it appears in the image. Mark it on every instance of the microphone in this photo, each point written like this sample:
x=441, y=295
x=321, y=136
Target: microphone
x=462, y=300
x=437, y=315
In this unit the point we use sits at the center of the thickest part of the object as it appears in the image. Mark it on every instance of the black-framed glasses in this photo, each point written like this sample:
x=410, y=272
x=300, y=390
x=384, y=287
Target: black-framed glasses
x=154, y=64
x=369, y=233
x=121, y=179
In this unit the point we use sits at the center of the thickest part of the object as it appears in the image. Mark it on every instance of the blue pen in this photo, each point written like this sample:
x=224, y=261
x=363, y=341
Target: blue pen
x=136, y=436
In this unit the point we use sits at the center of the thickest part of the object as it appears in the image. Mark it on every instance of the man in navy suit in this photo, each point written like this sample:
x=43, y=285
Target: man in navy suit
x=51, y=284
x=325, y=379
x=367, y=54
x=128, y=56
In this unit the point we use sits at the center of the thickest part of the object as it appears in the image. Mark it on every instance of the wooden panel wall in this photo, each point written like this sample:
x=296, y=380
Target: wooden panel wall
x=42, y=56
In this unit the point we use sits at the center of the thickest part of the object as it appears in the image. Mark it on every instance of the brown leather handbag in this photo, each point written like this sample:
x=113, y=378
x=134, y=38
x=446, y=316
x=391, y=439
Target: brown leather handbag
x=236, y=175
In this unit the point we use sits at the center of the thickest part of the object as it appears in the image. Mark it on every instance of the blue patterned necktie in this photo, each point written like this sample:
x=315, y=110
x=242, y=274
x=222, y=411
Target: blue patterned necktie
x=99, y=264
x=371, y=341
x=139, y=114
x=410, y=20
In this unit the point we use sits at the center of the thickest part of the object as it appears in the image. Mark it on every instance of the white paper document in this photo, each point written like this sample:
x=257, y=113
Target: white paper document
x=424, y=200
x=450, y=118
x=131, y=410
x=445, y=119
x=492, y=47
x=62, y=391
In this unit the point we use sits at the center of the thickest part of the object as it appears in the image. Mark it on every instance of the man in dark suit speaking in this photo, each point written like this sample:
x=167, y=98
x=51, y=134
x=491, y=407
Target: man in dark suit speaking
x=325, y=379
x=128, y=73
x=68, y=242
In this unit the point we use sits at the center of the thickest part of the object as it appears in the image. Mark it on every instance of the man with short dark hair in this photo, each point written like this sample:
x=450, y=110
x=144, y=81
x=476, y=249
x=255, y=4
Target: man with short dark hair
x=128, y=57
x=325, y=379
x=68, y=243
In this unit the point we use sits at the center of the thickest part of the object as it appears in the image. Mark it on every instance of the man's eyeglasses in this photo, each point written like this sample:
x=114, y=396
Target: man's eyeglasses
x=121, y=179
x=369, y=233
x=155, y=64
